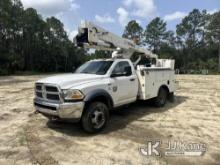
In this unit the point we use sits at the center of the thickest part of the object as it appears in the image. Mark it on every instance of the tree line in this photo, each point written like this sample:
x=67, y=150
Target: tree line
x=30, y=43
x=195, y=45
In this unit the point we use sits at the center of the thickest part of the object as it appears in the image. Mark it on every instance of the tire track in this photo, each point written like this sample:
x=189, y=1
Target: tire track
x=39, y=156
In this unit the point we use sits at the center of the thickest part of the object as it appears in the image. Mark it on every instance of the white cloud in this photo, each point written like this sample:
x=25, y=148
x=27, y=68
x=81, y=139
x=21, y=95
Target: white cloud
x=212, y=11
x=127, y=2
x=175, y=16
x=51, y=7
x=122, y=16
x=74, y=6
x=138, y=21
x=104, y=19
x=141, y=8
x=72, y=34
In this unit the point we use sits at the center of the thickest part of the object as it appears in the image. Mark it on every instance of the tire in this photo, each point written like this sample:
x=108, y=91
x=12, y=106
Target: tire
x=161, y=98
x=95, y=117
x=171, y=97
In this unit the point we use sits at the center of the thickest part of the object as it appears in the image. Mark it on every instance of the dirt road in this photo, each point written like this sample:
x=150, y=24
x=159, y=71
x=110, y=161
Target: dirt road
x=26, y=138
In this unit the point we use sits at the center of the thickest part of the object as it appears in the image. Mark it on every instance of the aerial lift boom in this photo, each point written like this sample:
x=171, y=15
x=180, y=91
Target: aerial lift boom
x=92, y=36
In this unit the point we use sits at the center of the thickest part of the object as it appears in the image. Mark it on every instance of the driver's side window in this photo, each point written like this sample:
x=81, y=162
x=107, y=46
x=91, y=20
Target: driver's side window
x=120, y=67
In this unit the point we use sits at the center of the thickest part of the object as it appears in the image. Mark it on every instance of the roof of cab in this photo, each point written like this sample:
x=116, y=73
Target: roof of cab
x=110, y=59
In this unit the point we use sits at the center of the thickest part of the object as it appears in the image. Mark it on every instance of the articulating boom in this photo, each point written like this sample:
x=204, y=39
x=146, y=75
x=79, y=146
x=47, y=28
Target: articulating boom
x=92, y=36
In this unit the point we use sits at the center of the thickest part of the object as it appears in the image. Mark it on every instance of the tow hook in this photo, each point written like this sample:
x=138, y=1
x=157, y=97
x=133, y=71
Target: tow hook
x=36, y=112
x=54, y=118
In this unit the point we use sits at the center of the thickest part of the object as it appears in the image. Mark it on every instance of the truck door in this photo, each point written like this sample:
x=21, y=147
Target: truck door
x=124, y=86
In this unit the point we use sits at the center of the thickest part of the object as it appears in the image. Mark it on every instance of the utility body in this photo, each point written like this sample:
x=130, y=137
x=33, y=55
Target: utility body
x=101, y=85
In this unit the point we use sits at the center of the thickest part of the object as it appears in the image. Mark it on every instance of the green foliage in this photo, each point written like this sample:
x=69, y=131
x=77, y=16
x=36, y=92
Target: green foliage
x=100, y=54
x=213, y=33
x=155, y=33
x=194, y=34
x=28, y=43
x=133, y=31
x=214, y=27
x=194, y=46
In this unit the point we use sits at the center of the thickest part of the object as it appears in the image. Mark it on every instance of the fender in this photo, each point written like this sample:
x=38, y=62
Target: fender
x=165, y=87
x=99, y=93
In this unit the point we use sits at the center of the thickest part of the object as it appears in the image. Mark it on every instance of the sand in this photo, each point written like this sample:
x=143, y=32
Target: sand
x=28, y=138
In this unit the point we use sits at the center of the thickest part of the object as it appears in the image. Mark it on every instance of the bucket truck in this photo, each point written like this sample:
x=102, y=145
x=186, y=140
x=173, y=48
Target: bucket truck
x=101, y=85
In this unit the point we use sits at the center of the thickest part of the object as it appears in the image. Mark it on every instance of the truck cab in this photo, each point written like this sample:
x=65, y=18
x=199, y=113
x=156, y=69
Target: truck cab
x=66, y=96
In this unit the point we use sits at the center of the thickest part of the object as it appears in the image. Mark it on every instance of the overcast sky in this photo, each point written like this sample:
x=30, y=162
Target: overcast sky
x=114, y=14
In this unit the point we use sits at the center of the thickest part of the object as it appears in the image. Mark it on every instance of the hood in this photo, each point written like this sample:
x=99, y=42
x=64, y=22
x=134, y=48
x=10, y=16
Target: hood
x=67, y=81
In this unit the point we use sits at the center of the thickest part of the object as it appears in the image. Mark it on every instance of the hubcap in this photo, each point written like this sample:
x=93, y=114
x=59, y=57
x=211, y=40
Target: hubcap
x=98, y=117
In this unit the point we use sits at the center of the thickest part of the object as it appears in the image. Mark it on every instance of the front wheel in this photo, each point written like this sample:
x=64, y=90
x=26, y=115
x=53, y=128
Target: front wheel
x=161, y=98
x=95, y=117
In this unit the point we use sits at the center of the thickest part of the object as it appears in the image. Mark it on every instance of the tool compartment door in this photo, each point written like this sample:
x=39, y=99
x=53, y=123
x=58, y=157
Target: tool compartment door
x=151, y=79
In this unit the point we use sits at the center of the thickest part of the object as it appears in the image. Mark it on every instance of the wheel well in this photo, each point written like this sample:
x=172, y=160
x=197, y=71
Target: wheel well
x=164, y=87
x=102, y=99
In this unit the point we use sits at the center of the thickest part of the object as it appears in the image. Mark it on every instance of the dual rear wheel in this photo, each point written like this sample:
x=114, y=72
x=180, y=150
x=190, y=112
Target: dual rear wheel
x=161, y=98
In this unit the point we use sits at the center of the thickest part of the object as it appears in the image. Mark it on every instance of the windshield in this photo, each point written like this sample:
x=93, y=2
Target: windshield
x=95, y=67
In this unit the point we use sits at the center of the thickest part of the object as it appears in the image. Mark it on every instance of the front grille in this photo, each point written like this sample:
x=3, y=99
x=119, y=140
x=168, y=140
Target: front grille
x=53, y=97
x=51, y=89
x=38, y=87
x=39, y=94
x=47, y=92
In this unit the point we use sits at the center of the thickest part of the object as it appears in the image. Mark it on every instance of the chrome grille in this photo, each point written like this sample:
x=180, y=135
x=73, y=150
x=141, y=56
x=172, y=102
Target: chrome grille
x=53, y=97
x=39, y=94
x=47, y=92
x=38, y=87
x=51, y=89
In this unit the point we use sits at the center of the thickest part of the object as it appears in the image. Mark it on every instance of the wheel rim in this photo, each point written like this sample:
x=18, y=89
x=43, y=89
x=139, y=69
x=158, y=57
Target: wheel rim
x=98, y=117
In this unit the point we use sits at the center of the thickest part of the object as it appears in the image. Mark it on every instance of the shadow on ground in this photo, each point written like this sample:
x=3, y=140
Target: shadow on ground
x=119, y=118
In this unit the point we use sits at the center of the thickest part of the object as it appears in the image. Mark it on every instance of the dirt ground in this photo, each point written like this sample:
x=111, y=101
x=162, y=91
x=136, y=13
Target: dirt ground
x=27, y=138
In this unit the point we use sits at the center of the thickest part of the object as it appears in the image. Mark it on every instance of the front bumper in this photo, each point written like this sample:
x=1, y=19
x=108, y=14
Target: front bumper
x=71, y=111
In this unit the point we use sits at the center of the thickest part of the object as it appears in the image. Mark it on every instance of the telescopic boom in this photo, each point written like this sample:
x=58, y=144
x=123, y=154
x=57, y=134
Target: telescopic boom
x=92, y=36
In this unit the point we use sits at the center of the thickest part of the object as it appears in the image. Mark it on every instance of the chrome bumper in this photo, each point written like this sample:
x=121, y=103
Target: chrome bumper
x=63, y=111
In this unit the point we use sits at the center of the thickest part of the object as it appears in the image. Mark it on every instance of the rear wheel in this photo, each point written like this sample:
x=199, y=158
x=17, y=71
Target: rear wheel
x=161, y=98
x=95, y=117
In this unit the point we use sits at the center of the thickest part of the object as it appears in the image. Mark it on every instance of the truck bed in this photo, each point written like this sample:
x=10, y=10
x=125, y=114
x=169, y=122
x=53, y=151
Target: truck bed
x=152, y=78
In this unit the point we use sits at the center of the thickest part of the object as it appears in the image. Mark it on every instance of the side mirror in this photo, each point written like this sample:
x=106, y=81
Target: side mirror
x=128, y=71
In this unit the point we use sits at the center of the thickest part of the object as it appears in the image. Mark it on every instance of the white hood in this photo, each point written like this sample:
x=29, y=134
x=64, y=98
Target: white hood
x=66, y=81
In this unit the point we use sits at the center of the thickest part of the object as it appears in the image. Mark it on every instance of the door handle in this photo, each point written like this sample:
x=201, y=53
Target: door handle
x=132, y=79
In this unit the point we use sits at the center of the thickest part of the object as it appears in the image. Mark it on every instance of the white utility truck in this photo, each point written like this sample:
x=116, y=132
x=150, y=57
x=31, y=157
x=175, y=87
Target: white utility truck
x=101, y=85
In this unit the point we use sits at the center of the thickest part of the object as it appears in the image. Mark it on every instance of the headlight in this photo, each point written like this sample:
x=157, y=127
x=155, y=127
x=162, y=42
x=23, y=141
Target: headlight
x=72, y=94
